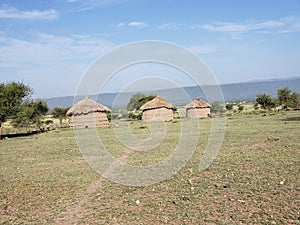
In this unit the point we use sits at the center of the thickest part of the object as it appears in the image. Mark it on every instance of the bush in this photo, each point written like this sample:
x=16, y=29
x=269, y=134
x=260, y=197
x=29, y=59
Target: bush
x=229, y=106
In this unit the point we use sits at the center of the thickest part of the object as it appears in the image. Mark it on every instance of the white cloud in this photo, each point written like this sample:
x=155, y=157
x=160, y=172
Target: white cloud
x=7, y=12
x=134, y=24
x=50, y=64
x=137, y=24
x=170, y=26
x=45, y=48
x=285, y=24
x=86, y=5
x=121, y=24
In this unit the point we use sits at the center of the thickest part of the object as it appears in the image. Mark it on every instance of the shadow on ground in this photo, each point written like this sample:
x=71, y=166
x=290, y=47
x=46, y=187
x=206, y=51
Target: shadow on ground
x=296, y=118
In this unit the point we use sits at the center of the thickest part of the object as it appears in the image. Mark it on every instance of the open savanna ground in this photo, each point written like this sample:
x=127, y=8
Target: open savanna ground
x=255, y=178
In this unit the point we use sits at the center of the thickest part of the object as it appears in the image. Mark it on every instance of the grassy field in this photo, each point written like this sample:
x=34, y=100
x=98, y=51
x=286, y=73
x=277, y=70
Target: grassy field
x=255, y=178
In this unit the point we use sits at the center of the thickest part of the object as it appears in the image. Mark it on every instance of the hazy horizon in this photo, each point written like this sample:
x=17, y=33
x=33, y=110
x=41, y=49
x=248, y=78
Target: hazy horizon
x=50, y=45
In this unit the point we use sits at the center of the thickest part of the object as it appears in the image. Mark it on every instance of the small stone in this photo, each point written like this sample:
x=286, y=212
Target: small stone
x=281, y=182
x=227, y=186
x=137, y=202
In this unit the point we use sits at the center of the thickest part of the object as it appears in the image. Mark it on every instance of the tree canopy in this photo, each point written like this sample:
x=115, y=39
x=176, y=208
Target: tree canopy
x=16, y=105
x=218, y=107
x=266, y=101
x=30, y=113
x=139, y=99
x=287, y=98
x=11, y=98
x=60, y=113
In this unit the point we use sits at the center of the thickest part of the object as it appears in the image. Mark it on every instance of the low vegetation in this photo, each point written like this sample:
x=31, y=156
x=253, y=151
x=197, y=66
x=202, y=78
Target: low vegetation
x=254, y=179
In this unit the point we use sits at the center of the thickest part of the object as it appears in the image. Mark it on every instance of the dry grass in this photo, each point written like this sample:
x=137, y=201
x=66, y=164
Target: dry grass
x=44, y=179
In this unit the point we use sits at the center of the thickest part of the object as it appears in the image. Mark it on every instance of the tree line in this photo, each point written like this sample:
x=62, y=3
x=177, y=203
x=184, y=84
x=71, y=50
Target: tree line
x=17, y=106
x=285, y=98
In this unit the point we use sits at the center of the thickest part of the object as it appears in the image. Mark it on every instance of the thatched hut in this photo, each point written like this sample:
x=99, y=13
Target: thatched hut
x=198, y=109
x=88, y=114
x=158, y=109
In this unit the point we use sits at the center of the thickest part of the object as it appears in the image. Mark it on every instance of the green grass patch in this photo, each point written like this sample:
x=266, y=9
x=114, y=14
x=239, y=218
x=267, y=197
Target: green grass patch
x=253, y=180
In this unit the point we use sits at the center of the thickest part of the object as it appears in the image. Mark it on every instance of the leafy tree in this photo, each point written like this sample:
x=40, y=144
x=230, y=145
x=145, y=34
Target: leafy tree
x=229, y=106
x=137, y=100
x=11, y=98
x=266, y=101
x=284, y=97
x=288, y=99
x=240, y=108
x=30, y=113
x=217, y=107
x=295, y=100
x=60, y=113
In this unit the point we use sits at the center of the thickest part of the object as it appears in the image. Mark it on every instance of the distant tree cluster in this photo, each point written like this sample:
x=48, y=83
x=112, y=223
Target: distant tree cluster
x=16, y=105
x=60, y=113
x=30, y=113
x=285, y=98
x=217, y=107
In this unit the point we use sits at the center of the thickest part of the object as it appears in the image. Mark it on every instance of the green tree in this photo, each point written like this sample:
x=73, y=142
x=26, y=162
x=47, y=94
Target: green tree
x=137, y=100
x=287, y=98
x=11, y=98
x=240, y=108
x=60, y=113
x=284, y=97
x=295, y=100
x=229, y=106
x=30, y=113
x=217, y=107
x=266, y=101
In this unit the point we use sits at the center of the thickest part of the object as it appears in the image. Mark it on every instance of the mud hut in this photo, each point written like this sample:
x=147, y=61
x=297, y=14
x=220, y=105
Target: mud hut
x=198, y=109
x=158, y=109
x=88, y=114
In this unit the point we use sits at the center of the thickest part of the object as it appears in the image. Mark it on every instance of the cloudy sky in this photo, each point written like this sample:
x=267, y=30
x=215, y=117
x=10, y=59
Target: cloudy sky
x=49, y=45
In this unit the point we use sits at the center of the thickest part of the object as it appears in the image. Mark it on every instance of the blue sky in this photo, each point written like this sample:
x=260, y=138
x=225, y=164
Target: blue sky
x=50, y=44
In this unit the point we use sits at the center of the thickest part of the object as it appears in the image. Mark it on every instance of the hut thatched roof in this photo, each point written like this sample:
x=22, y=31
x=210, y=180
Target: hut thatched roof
x=87, y=105
x=157, y=102
x=197, y=103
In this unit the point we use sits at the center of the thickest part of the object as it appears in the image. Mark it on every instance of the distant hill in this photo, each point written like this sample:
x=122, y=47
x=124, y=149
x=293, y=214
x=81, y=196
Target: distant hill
x=180, y=96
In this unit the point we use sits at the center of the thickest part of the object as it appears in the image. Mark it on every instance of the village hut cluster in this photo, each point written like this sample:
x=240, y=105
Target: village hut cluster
x=88, y=113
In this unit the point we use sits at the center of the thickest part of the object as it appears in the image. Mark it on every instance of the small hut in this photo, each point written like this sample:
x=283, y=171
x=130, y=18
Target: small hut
x=88, y=114
x=158, y=109
x=198, y=109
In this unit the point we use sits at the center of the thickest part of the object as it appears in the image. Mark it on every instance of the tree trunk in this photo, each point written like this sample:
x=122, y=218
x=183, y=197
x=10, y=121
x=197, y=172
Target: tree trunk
x=0, y=130
x=60, y=120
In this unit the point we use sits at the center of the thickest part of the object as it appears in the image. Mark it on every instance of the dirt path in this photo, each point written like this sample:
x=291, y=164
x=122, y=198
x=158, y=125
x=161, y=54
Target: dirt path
x=75, y=212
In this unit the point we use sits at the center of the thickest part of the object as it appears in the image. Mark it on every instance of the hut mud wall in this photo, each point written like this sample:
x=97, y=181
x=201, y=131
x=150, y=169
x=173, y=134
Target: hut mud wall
x=89, y=120
x=198, y=112
x=160, y=114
